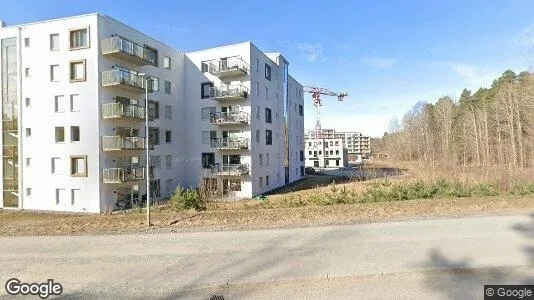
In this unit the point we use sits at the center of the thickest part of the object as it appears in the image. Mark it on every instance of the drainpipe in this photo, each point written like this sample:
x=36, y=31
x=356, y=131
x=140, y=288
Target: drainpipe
x=19, y=116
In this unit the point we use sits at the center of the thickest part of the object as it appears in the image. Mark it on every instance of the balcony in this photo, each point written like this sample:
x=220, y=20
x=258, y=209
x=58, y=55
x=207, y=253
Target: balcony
x=229, y=92
x=117, y=143
x=122, y=48
x=232, y=143
x=230, y=169
x=227, y=67
x=230, y=118
x=126, y=80
x=123, y=112
x=122, y=175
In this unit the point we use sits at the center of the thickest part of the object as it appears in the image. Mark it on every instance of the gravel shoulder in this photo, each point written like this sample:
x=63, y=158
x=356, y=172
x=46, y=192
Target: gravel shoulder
x=15, y=223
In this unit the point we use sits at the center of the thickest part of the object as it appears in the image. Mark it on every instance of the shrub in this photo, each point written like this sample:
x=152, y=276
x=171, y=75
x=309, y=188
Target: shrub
x=187, y=199
x=522, y=189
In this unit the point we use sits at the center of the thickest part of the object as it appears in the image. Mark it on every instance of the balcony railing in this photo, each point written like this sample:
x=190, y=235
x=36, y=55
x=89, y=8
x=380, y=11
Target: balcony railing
x=233, y=66
x=128, y=50
x=122, y=175
x=121, y=111
x=229, y=118
x=230, y=143
x=117, y=142
x=128, y=80
x=230, y=169
x=229, y=92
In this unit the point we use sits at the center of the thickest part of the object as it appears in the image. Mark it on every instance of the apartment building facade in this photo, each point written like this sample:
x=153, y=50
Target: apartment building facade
x=73, y=118
x=326, y=153
x=355, y=142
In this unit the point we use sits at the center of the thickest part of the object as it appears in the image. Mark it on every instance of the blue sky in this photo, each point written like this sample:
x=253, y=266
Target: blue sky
x=387, y=55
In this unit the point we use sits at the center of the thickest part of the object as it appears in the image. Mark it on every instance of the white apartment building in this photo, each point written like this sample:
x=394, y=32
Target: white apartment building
x=355, y=142
x=73, y=117
x=325, y=153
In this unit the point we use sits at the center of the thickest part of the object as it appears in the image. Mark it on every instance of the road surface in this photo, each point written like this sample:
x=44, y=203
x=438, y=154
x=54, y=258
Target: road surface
x=419, y=259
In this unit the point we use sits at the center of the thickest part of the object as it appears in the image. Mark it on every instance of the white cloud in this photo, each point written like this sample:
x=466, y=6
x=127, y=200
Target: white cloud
x=475, y=76
x=378, y=62
x=313, y=52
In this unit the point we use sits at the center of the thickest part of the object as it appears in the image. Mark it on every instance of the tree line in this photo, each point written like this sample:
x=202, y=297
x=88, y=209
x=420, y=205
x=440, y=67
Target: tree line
x=491, y=127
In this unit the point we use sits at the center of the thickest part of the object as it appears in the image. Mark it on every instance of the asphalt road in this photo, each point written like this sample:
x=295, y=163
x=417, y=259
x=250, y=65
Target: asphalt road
x=420, y=259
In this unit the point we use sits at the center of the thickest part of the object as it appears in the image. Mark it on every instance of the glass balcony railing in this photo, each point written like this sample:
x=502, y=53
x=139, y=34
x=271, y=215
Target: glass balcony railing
x=230, y=169
x=122, y=111
x=123, y=78
x=122, y=175
x=232, y=66
x=117, y=142
x=233, y=117
x=130, y=51
x=230, y=143
x=229, y=92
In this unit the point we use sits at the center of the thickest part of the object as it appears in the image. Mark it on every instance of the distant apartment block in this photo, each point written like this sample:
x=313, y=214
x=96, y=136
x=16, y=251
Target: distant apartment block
x=355, y=142
x=325, y=153
x=73, y=117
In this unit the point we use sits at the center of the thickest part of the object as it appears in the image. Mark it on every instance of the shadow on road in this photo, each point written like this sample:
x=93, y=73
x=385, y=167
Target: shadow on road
x=463, y=281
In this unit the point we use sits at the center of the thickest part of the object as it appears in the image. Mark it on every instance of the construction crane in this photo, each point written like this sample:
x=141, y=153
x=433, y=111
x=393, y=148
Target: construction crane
x=316, y=95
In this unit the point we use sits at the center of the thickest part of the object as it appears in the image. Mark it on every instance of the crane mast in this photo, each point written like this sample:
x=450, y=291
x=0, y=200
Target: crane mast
x=316, y=95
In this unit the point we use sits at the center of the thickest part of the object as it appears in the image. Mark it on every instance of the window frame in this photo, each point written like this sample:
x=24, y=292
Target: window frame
x=168, y=134
x=268, y=72
x=51, y=43
x=268, y=137
x=76, y=157
x=71, y=134
x=52, y=73
x=166, y=62
x=71, y=30
x=56, y=135
x=268, y=115
x=71, y=64
x=167, y=87
x=202, y=86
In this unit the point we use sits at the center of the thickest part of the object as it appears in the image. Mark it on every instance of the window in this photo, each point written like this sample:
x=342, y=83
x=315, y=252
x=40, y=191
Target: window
x=55, y=166
x=309, y=152
x=74, y=102
x=257, y=112
x=77, y=70
x=257, y=136
x=301, y=155
x=168, y=161
x=235, y=185
x=155, y=161
x=28, y=192
x=54, y=73
x=153, y=110
x=261, y=182
x=54, y=42
x=267, y=180
x=78, y=166
x=204, y=67
x=166, y=62
x=153, y=84
x=26, y=42
x=267, y=72
x=168, y=112
x=266, y=93
x=268, y=118
x=153, y=135
x=75, y=133
x=337, y=143
x=257, y=65
x=60, y=195
x=169, y=187
x=301, y=110
x=205, y=89
x=27, y=102
x=337, y=162
x=207, y=136
x=28, y=162
x=260, y=159
x=257, y=88
x=27, y=72
x=74, y=196
x=168, y=136
x=79, y=38
x=337, y=152
x=267, y=159
x=208, y=159
x=60, y=134
x=206, y=112
x=301, y=171
x=268, y=137
x=167, y=87
x=59, y=104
